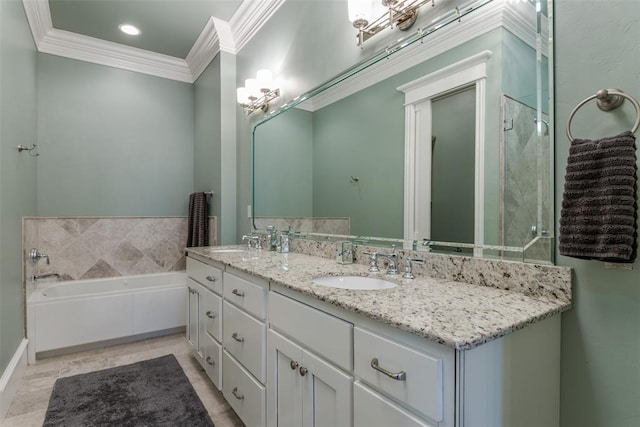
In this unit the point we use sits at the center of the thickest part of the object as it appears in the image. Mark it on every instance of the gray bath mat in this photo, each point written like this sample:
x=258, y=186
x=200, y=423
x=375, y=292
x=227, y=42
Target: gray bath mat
x=153, y=392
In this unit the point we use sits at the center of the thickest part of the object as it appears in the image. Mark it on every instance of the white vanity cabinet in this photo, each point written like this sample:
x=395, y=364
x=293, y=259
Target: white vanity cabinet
x=244, y=340
x=305, y=385
x=204, y=326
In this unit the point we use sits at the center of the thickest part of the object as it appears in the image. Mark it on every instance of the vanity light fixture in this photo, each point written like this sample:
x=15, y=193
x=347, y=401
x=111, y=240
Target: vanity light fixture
x=257, y=93
x=129, y=29
x=370, y=17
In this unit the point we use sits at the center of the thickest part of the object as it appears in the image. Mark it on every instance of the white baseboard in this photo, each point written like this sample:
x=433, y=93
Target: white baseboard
x=11, y=377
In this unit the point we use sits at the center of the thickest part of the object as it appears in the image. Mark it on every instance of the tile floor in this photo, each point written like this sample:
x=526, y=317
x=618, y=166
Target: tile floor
x=30, y=404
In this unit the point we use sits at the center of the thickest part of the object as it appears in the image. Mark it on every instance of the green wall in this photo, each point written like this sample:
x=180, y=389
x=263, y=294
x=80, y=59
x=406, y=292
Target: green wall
x=112, y=142
x=17, y=170
x=207, y=141
x=597, y=46
x=284, y=154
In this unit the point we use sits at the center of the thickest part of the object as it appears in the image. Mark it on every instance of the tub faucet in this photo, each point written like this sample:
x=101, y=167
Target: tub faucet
x=392, y=257
x=44, y=276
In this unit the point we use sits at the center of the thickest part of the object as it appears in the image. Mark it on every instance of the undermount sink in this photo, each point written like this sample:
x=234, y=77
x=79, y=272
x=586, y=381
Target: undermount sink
x=225, y=251
x=354, y=282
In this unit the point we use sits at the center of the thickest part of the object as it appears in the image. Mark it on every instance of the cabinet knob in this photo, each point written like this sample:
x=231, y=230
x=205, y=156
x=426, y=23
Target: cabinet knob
x=237, y=292
x=236, y=337
x=211, y=278
x=210, y=362
x=399, y=376
x=236, y=394
x=303, y=371
x=210, y=314
x=293, y=365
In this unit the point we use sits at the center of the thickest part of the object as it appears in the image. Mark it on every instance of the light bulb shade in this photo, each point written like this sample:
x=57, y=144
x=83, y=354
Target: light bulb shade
x=253, y=87
x=242, y=95
x=360, y=10
x=265, y=80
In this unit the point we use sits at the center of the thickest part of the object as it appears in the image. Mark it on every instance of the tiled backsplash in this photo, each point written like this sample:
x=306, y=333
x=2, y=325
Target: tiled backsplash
x=93, y=247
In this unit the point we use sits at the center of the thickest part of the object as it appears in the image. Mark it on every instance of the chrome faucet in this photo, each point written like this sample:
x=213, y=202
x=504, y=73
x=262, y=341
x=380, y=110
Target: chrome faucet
x=408, y=267
x=273, y=237
x=257, y=241
x=391, y=257
x=44, y=276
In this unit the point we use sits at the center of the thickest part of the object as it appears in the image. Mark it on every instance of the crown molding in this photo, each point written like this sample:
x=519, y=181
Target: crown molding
x=250, y=17
x=494, y=15
x=216, y=36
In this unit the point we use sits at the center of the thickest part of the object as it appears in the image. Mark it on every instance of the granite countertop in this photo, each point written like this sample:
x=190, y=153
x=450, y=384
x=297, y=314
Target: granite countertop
x=456, y=314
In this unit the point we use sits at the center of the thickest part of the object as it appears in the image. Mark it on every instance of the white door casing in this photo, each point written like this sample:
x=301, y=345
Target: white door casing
x=418, y=127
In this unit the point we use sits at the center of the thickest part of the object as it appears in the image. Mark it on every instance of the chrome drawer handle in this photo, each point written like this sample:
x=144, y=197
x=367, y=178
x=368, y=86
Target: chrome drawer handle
x=211, y=278
x=237, y=292
x=210, y=362
x=236, y=395
x=303, y=371
x=400, y=376
x=236, y=337
x=210, y=314
x=293, y=365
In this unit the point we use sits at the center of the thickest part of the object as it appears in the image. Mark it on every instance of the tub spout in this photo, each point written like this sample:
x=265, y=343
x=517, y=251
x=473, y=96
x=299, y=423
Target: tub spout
x=44, y=276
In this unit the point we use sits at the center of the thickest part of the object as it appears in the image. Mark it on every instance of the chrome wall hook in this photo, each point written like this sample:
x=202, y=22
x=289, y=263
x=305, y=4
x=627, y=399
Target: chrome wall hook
x=31, y=150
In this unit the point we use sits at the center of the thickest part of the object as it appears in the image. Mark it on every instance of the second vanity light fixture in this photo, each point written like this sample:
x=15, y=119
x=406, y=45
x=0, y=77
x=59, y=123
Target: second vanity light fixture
x=257, y=93
x=372, y=16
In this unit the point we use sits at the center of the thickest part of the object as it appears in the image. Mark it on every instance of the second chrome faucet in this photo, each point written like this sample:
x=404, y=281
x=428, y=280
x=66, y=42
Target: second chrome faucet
x=391, y=257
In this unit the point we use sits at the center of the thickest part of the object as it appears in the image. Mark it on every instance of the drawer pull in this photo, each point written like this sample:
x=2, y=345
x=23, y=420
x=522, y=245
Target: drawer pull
x=210, y=314
x=236, y=395
x=400, y=376
x=236, y=337
x=210, y=362
x=293, y=365
x=211, y=278
x=303, y=371
x=237, y=292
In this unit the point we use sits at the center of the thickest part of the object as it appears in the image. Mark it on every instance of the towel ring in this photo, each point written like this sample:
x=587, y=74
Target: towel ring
x=608, y=99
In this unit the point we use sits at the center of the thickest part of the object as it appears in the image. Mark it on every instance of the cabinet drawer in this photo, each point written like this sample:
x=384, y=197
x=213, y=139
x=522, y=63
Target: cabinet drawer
x=322, y=333
x=245, y=339
x=372, y=410
x=249, y=296
x=212, y=360
x=206, y=274
x=245, y=395
x=422, y=386
x=211, y=308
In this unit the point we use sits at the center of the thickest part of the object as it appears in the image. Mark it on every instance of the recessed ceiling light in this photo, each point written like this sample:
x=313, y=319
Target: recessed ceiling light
x=132, y=30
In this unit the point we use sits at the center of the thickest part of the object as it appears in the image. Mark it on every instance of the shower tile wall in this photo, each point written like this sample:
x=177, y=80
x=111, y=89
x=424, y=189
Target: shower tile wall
x=526, y=167
x=87, y=248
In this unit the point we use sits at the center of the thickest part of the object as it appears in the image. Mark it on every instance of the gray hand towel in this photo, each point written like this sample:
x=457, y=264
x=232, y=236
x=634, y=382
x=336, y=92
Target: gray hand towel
x=198, y=221
x=598, y=218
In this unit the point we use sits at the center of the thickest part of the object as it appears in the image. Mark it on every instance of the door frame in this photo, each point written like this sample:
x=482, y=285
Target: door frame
x=419, y=94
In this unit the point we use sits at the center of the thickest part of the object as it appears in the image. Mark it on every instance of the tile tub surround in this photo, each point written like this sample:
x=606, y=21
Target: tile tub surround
x=452, y=312
x=97, y=247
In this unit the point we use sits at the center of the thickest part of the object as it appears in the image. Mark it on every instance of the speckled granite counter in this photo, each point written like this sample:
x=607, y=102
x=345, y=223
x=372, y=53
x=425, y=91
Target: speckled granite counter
x=453, y=313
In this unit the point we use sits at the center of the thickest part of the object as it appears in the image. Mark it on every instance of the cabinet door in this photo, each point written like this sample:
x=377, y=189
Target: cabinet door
x=284, y=396
x=370, y=409
x=327, y=394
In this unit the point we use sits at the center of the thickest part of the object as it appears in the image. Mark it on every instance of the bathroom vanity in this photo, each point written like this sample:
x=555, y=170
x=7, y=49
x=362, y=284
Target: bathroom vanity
x=429, y=352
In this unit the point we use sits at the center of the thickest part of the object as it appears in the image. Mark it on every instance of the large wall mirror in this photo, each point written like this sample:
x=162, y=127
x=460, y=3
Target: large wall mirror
x=440, y=143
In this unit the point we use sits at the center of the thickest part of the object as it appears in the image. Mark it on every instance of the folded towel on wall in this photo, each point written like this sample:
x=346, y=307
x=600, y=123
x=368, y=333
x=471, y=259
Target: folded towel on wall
x=198, y=221
x=598, y=218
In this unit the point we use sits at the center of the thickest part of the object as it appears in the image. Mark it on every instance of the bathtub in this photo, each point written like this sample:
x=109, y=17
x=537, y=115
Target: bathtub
x=80, y=312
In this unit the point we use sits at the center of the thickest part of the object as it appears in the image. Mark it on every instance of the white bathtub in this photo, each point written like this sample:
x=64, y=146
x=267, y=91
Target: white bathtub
x=73, y=313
